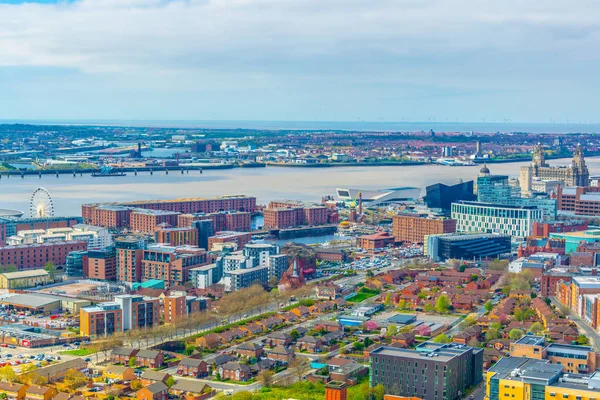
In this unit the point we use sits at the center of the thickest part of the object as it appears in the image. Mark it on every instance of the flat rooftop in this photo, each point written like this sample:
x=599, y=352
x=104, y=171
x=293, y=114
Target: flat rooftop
x=29, y=300
x=531, y=340
x=587, y=281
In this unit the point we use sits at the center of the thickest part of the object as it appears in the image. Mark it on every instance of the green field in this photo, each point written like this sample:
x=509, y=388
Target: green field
x=363, y=294
x=78, y=352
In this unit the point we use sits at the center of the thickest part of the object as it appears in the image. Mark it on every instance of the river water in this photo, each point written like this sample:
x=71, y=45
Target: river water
x=266, y=184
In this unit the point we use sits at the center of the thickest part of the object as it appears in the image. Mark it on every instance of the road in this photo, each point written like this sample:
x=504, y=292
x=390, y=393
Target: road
x=478, y=393
x=592, y=335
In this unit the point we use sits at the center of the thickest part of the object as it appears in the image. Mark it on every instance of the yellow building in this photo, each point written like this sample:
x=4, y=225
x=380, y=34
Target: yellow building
x=515, y=378
x=24, y=279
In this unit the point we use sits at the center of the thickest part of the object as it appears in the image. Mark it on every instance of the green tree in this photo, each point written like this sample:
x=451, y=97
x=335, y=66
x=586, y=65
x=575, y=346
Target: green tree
x=367, y=342
x=295, y=334
x=536, y=328
x=489, y=306
x=7, y=374
x=392, y=330
x=519, y=315
x=462, y=268
x=358, y=346
x=492, y=334
x=50, y=267
x=428, y=307
x=441, y=338
x=3, y=395
x=496, y=325
x=442, y=305
x=136, y=385
x=516, y=334
x=266, y=378
x=467, y=322
x=132, y=361
x=582, y=340
x=378, y=392
x=474, y=277
x=388, y=299
x=170, y=381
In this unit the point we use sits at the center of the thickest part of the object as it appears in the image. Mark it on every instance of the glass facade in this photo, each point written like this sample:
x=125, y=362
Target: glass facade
x=491, y=218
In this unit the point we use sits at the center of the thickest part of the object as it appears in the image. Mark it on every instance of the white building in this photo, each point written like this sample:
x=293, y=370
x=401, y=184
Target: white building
x=97, y=237
x=472, y=217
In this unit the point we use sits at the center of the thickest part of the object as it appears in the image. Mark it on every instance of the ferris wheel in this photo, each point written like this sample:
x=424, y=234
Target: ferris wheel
x=41, y=204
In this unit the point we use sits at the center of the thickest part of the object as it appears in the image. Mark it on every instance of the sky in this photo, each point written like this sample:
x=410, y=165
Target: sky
x=301, y=60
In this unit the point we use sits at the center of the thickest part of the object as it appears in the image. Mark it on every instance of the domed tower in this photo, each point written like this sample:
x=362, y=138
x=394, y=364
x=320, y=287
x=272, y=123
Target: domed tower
x=485, y=171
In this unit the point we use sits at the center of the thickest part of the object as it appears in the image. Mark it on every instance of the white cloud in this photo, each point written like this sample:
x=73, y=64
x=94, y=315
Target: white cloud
x=282, y=35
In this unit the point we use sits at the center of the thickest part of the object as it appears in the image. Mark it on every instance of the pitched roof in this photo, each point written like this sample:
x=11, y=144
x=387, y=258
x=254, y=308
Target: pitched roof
x=191, y=362
x=123, y=351
x=156, y=387
x=147, y=353
x=186, y=385
x=235, y=366
x=155, y=375
x=38, y=389
x=117, y=369
x=10, y=387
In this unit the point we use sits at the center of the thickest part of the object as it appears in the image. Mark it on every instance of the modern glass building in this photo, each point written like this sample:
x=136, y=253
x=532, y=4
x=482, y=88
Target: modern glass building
x=474, y=217
x=441, y=197
x=465, y=246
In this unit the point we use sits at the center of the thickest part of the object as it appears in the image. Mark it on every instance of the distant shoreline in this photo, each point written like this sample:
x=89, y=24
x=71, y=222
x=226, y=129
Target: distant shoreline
x=346, y=126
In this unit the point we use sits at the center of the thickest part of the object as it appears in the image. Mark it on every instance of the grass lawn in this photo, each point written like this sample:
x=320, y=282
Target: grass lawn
x=363, y=294
x=357, y=298
x=78, y=352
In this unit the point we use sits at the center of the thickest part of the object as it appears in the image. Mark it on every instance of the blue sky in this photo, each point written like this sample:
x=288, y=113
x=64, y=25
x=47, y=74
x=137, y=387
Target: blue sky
x=334, y=60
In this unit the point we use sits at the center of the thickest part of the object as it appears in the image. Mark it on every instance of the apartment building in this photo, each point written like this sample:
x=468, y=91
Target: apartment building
x=413, y=228
x=432, y=371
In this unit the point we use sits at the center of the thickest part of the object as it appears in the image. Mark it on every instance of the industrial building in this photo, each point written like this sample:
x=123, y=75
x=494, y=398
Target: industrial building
x=24, y=279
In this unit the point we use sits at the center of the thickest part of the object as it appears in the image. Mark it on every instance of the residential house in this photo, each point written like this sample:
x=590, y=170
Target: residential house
x=119, y=373
x=337, y=362
x=210, y=341
x=56, y=372
x=121, y=355
x=301, y=311
x=278, y=339
x=149, y=358
x=322, y=307
x=312, y=344
x=332, y=337
x=191, y=390
x=249, y=350
x=262, y=365
x=349, y=372
x=13, y=390
x=235, y=371
x=329, y=326
x=404, y=339
x=155, y=391
x=464, y=302
x=150, y=376
x=289, y=316
x=280, y=354
x=467, y=335
x=253, y=328
x=39, y=393
x=411, y=290
x=192, y=367
x=216, y=360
